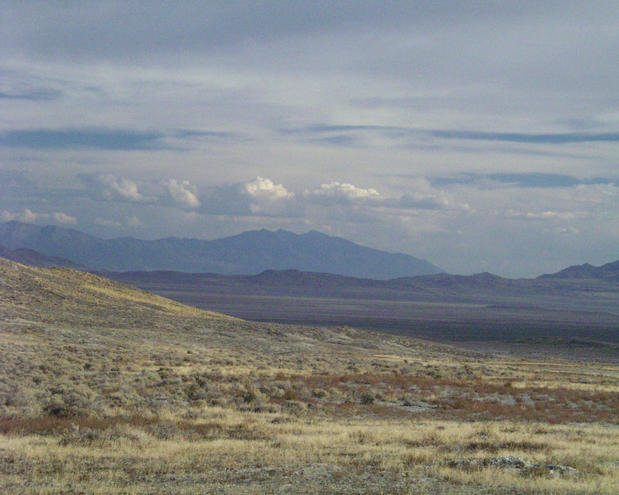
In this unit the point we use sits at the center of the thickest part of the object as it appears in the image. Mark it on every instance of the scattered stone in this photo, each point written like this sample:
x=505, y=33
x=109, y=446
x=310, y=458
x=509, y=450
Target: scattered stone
x=509, y=461
x=559, y=469
x=417, y=405
x=512, y=462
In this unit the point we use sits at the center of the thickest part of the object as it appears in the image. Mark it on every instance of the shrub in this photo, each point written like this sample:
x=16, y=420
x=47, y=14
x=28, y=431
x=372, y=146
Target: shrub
x=367, y=399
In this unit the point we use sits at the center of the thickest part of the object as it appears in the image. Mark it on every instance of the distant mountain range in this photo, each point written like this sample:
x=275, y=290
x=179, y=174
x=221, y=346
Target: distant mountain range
x=429, y=287
x=247, y=253
x=579, y=300
x=609, y=271
x=34, y=258
x=480, y=306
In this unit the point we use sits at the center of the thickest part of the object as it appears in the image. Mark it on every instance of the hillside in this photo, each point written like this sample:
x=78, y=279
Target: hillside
x=71, y=296
x=247, y=253
x=108, y=389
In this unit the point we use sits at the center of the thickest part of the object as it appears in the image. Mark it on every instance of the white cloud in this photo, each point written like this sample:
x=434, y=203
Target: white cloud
x=113, y=188
x=258, y=197
x=341, y=192
x=30, y=216
x=27, y=216
x=265, y=189
x=182, y=193
x=7, y=216
x=419, y=195
x=120, y=188
x=64, y=218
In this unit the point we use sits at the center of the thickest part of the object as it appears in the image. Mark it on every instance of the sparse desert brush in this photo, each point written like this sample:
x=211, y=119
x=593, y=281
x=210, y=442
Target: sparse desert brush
x=103, y=390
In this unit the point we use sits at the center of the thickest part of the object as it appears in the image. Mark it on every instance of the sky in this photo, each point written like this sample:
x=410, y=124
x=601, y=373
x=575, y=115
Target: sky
x=481, y=136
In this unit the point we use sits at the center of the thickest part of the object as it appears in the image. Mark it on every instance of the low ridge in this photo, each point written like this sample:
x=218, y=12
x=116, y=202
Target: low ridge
x=609, y=272
x=67, y=295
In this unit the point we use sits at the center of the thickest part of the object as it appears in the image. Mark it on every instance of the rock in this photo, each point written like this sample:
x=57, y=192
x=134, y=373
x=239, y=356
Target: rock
x=512, y=462
x=559, y=469
x=509, y=461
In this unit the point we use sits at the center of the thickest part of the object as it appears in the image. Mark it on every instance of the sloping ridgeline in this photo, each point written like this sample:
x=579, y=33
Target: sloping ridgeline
x=247, y=253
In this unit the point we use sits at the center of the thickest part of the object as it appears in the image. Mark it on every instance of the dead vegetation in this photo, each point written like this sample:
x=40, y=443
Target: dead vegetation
x=103, y=390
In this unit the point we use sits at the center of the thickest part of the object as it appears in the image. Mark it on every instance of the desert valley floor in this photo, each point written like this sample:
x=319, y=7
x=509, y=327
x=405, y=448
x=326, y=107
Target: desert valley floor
x=106, y=389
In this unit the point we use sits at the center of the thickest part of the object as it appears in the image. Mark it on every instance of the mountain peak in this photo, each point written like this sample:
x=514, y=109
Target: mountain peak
x=248, y=253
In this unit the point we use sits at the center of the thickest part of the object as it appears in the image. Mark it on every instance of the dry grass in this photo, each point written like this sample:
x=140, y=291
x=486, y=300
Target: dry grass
x=104, y=389
x=226, y=451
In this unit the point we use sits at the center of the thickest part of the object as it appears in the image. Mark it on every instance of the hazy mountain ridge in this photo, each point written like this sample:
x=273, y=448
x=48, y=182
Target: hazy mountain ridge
x=247, y=253
x=34, y=258
x=609, y=271
x=436, y=286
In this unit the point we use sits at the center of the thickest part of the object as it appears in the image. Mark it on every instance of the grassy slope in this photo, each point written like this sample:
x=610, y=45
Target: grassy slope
x=63, y=293
x=107, y=389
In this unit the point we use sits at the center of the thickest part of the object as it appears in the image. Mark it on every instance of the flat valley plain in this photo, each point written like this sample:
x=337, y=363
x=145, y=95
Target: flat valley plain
x=106, y=389
x=442, y=308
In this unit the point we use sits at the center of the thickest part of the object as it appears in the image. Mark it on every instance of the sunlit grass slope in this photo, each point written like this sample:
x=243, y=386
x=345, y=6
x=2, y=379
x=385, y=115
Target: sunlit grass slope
x=69, y=295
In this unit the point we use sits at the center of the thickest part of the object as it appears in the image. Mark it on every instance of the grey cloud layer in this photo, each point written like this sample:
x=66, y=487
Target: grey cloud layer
x=542, y=180
x=102, y=139
x=445, y=129
x=80, y=138
x=161, y=26
x=33, y=95
x=351, y=134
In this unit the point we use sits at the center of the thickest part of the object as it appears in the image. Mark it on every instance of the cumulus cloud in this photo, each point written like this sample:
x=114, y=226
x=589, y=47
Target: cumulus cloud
x=336, y=192
x=29, y=216
x=169, y=192
x=419, y=195
x=119, y=187
x=7, y=216
x=112, y=188
x=268, y=198
x=64, y=218
x=182, y=193
x=265, y=189
x=258, y=197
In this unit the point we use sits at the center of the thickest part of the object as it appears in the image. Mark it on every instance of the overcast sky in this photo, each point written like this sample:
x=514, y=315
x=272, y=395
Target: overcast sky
x=477, y=135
